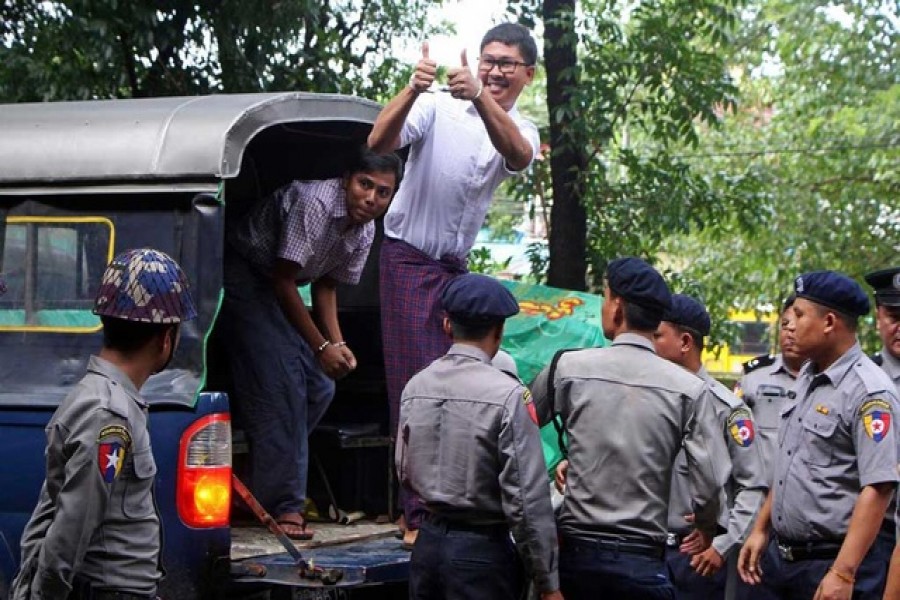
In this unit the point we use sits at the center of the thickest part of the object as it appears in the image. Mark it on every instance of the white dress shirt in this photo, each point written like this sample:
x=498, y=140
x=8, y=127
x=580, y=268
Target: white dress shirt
x=451, y=174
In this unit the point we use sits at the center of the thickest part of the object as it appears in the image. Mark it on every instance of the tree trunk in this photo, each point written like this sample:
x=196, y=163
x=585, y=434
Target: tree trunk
x=568, y=263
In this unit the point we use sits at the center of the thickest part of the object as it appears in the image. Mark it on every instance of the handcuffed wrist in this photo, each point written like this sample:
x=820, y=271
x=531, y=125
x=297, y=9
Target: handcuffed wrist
x=321, y=347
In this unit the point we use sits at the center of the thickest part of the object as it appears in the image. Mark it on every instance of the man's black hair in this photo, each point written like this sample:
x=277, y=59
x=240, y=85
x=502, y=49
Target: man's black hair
x=365, y=160
x=513, y=34
x=851, y=322
x=472, y=332
x=130, y=336
x=641, y=318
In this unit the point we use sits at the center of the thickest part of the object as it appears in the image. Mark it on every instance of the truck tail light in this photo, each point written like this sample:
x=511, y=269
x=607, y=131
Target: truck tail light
x=203, y=490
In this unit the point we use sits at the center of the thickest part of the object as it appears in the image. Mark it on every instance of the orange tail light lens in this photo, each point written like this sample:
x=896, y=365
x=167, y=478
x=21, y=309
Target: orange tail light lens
x=204, y=472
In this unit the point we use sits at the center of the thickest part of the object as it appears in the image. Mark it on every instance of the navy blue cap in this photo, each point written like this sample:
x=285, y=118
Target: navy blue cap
x=834, y=290
x=886, y=284
x=638, y=282
x=478, y=299
x=688, y=312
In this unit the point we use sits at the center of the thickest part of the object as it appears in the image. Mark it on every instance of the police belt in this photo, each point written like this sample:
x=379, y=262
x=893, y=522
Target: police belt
x=445, y=524
x=83, y=589
x=792, y=550
x=615, y=544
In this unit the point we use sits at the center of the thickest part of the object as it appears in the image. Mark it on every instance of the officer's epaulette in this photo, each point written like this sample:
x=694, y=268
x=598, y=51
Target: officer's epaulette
x=763, y=360
x=877, y=358
x=515, y=376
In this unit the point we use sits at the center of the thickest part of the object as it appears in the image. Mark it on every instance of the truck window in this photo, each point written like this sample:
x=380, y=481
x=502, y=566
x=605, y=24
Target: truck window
x=754, y=338
x=52, y=267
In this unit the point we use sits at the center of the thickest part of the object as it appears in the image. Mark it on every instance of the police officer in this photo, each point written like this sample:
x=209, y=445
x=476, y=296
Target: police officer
x=95, y=531
x=886, y=284
x=469, y=447
x=765, y=384
x=836, y=464
x=695, y=564
x=627, y=413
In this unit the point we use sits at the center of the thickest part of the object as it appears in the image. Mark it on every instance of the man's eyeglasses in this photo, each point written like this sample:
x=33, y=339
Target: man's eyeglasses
x=505, y=65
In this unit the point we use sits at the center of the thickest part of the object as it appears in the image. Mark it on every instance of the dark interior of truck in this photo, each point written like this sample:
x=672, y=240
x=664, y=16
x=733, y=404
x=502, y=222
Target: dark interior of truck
x=351, y=447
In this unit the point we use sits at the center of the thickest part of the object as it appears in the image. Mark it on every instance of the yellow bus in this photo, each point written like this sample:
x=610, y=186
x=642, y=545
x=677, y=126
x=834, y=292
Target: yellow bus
x=756, y=335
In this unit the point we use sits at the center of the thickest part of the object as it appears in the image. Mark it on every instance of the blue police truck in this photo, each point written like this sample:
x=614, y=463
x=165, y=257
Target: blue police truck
x=82, y=181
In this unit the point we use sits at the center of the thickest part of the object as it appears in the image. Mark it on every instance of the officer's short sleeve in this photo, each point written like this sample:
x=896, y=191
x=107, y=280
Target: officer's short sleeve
x=875, y=437
x=541, y=396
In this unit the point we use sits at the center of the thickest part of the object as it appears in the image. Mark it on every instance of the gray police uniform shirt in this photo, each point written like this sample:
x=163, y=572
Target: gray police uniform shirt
x=95, y=517
x=746, y=487
x=891, y=366
x=469, y=446
x=627, y=413
x=764, y=388
x=838, y=435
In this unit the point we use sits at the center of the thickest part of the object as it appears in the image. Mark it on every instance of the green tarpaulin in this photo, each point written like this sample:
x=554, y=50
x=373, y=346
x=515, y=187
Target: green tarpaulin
x=549, y=320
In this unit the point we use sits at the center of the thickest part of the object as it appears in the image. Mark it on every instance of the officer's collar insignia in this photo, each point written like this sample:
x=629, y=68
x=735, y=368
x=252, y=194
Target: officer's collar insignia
x=876, y=417
x=527, y=401
x=821, y=408
x=112, y=444
x=740, y=426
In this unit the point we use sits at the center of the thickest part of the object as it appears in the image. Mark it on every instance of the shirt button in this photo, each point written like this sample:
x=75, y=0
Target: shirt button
x=789, y=452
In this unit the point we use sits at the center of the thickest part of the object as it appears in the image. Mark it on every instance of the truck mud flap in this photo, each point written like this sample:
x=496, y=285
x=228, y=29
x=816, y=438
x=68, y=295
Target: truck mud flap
x=369, y=562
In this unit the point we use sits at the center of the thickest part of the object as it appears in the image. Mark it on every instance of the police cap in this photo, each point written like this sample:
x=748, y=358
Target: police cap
x=834, y=290
x=474, y=299
x=886, y=284
x=688, y=312
x=638, y=282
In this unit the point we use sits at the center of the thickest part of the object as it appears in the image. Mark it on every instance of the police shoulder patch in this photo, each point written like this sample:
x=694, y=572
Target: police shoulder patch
x=113, y=443
x=876, y=418
x=529, y=405
x=741, y=428
x=763, y=360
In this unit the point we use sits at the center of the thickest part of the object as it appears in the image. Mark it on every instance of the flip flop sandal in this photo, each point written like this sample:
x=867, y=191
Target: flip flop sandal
x=295, y=528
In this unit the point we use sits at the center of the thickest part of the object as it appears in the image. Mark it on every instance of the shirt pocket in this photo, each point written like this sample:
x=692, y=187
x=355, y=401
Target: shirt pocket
x=820, y=430
x=137, y=499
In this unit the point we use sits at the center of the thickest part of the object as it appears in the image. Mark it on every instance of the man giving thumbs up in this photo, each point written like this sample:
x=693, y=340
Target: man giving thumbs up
x=461, y=146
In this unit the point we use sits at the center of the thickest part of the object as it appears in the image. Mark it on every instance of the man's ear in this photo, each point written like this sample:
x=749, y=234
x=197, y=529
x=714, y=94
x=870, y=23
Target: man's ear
x=829, y=321
x=445, y=325
x=686, y=342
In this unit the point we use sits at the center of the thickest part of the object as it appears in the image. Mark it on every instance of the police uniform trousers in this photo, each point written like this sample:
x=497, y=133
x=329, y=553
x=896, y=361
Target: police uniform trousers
x=281, y=392
x=795, y=570
x=453, y=560
x=612, y=569
x=690, y=585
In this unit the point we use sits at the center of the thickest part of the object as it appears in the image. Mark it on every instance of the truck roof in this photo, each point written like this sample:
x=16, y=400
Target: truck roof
x=163, y=139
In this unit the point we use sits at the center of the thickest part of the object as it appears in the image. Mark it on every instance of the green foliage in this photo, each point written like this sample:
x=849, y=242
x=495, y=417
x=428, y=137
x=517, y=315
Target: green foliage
x=480, y=261
x=113, y=49
x=820, y=127
x=651, y=78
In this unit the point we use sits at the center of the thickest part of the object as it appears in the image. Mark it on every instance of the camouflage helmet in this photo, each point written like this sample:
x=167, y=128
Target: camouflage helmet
x=147, y=286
